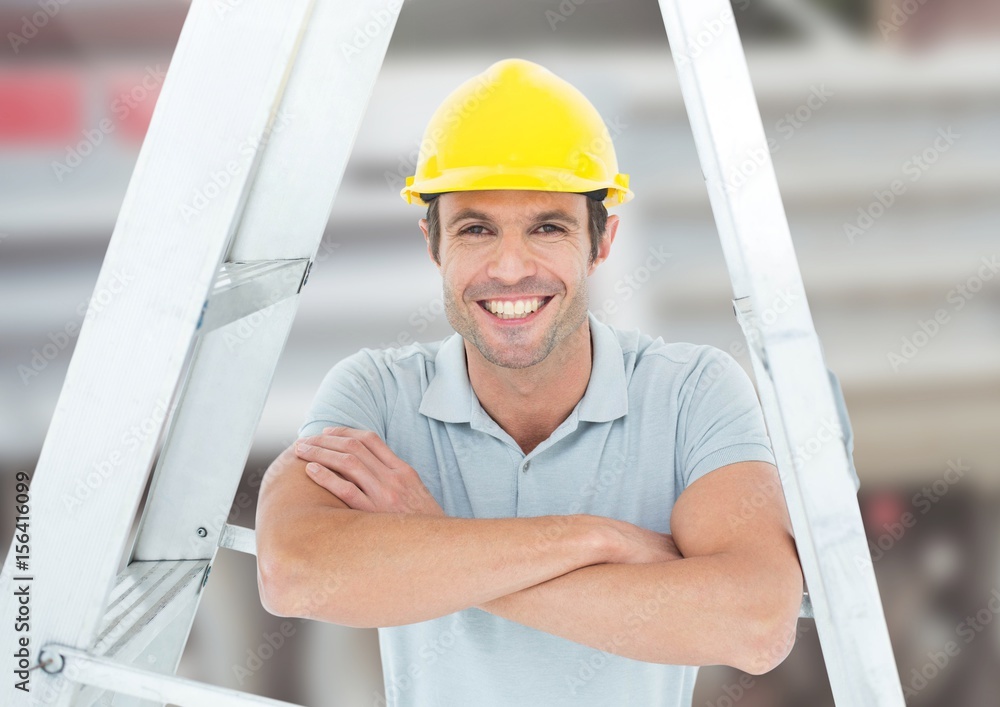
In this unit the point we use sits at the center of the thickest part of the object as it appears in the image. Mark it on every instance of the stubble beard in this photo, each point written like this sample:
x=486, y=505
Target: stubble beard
x=518, y=352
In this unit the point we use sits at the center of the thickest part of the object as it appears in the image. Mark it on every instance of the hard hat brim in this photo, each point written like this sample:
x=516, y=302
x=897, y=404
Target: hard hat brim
x=537, y=179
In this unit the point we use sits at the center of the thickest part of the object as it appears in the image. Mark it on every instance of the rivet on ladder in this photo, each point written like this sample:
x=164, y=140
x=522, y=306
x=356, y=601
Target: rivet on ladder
x=51, y=661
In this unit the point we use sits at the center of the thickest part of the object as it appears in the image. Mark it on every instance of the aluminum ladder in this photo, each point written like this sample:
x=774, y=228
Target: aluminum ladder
x=221, y=221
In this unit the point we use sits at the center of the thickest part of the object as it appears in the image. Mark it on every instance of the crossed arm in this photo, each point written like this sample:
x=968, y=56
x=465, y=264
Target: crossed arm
x=733, y=597
x=724, y=588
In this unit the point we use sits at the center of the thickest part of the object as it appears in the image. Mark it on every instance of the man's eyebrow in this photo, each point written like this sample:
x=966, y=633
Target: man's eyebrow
x=467, y=214
x=558, y=215
x=552, y=215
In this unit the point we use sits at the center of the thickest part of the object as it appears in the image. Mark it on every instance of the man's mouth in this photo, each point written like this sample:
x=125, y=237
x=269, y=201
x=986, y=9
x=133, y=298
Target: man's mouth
x=521, y=308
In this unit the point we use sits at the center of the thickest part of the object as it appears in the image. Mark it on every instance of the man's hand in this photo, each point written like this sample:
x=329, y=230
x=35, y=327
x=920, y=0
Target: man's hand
x=357, y=467
x=626, y=543
x=634, y=544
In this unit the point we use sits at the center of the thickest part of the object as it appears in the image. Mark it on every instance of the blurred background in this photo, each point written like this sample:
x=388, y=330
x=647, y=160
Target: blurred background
x=856, y=96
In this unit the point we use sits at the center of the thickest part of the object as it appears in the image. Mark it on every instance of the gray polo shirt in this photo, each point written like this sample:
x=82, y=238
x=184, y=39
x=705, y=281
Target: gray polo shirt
x=654, y=418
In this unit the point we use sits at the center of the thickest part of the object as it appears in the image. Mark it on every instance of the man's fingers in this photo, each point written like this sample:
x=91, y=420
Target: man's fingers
x=345, y=455
x=347, y=466
x=339, y=487
x=348, y=441
x=371, y=440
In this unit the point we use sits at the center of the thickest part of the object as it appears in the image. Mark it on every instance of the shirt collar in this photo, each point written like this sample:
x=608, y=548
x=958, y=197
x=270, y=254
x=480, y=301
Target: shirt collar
x=449, y=396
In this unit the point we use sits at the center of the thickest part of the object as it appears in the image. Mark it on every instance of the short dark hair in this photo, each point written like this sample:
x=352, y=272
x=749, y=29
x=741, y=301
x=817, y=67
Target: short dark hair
x=597, y=219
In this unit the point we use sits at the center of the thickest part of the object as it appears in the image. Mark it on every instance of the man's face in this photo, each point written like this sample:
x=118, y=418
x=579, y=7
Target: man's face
x=523, y=249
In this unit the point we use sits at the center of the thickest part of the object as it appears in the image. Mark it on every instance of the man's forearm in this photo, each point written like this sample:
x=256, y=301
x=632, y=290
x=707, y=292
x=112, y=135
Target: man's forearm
x=705, y=610
x=385, y=569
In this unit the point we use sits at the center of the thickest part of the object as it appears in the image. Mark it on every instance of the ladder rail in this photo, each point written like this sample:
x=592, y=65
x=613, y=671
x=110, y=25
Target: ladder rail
x=217, y=169
x=743, y=192
x=268, y=262
x=167, y=245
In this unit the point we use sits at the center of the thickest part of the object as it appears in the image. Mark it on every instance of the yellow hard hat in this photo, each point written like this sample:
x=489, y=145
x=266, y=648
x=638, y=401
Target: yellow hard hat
x=517, y=126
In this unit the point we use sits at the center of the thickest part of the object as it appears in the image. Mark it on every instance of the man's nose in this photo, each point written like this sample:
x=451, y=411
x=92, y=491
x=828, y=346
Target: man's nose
x=511, y=259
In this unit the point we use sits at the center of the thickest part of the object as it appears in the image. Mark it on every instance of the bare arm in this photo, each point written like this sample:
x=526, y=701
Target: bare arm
x=733, y=599
x=318, y=558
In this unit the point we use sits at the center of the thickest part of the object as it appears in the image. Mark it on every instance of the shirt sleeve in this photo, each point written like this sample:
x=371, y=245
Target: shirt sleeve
x=719, y=417
x=352, y=394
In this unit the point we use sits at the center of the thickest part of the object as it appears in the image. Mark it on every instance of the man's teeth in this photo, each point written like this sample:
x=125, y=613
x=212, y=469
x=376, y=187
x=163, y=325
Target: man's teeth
x=508, y=309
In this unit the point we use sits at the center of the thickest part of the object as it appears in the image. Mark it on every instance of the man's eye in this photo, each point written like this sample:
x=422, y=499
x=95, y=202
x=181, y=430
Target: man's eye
x=468, y=229
x=556, y=229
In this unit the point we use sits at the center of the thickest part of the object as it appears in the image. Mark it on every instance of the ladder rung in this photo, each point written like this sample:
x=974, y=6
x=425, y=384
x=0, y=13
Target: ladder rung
x=242, y=288
x=126, y=679
x=146, y=598
x=240, y=539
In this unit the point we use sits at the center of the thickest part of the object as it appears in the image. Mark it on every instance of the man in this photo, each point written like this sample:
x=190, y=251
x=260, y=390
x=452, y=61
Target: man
x=539, y=509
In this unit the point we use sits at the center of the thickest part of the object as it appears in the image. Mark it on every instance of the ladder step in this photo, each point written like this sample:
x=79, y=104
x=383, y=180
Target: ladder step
x=242, y=288
x=115, y=677
x=147, y=597
x=240, y=539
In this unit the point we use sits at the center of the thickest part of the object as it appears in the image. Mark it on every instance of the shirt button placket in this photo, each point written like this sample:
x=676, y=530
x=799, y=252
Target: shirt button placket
x=526, y=465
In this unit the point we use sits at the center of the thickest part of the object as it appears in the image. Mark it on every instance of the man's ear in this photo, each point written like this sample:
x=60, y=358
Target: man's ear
x=427, y=239
x=604, y=249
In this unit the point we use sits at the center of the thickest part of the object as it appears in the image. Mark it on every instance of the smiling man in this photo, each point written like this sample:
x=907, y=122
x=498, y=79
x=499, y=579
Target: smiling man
x=539, y=509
